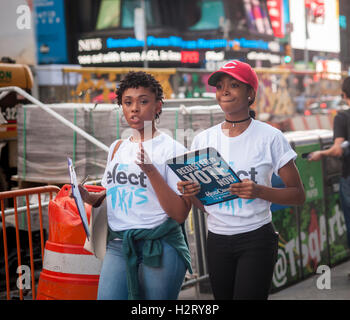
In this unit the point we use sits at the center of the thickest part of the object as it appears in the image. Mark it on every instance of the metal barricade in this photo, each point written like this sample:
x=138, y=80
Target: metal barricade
x=197, y=239
x=196, y=229
x=13, y=196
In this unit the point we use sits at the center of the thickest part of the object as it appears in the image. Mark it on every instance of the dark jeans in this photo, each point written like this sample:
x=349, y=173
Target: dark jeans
x=241, y=266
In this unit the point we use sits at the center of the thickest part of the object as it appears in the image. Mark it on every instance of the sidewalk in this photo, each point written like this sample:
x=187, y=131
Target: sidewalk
x=307, y=289
x=304, y=290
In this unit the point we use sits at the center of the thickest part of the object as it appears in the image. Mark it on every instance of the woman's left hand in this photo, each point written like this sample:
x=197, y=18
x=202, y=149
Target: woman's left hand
x=247, y=189
x=143, y=160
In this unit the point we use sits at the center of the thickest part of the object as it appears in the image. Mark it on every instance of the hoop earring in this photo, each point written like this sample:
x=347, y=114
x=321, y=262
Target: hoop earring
x=157, y=119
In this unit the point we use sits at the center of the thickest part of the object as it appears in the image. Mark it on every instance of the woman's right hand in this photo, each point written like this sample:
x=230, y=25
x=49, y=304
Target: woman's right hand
x=93, y=198
x=188, y=188
x=85, y=195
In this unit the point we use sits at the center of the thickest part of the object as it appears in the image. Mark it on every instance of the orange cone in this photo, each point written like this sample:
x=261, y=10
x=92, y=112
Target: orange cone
x=69, y=271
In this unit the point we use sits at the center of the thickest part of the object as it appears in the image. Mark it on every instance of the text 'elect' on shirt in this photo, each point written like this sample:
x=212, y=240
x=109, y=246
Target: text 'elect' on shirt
x=131, y=200
x=256, y=154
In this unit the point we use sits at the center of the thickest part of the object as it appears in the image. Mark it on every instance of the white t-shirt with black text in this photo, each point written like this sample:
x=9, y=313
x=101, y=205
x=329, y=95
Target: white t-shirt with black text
x=131, y=201
x=255, y=154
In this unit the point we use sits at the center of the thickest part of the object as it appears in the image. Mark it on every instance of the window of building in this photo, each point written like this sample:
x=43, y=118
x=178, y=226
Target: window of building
x=108, y=15
x=128, y=8
x=120, y=13
x=210, y=13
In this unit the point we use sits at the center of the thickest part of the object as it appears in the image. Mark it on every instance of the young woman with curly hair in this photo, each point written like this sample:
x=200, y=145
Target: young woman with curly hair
x=146, y=256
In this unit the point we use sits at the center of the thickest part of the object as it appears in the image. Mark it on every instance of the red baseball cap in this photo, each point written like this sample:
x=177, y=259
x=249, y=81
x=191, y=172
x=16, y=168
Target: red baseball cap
x=237, y=69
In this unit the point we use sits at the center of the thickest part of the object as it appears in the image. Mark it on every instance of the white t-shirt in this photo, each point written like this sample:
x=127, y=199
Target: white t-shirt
x=255, y=154
x=131, y=201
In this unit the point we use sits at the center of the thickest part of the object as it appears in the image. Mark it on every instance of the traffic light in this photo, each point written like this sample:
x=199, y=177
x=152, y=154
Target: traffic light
x=287, y=59
x=287, y=53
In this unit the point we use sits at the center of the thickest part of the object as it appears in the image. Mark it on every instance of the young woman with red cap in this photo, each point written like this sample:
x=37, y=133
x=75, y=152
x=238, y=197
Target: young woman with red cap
x=242, y=243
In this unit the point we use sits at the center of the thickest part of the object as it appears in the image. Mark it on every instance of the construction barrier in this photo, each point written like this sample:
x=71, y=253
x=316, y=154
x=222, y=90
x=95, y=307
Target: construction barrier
x=316, y=121
x=14, y=248
x=69, y=271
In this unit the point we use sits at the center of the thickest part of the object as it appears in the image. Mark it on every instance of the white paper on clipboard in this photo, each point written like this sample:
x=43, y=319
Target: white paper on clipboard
x=77, y=197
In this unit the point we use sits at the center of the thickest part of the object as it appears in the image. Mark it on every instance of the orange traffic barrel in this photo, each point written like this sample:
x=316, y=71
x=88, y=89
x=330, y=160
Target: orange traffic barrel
x=69, y=271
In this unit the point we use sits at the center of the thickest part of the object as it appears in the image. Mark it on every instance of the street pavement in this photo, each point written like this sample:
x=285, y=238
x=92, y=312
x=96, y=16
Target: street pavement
x=304, y=290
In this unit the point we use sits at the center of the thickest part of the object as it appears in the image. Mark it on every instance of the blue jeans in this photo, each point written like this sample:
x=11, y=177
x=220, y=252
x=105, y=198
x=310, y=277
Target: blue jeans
x=345, y=203
x=162, y=283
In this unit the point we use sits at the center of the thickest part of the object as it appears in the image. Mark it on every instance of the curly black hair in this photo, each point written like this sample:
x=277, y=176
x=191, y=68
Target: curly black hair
x=140, y=79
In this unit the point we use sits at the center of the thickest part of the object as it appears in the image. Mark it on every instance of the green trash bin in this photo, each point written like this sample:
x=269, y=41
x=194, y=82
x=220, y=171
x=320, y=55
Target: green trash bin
x=336, y=228
x=312, y=215
x=286, y=221
x=303, y=244
x=287, y=269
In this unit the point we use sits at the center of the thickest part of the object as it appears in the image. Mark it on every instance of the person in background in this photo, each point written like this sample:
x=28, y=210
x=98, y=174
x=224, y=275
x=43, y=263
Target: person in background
x=242, y=243
x=340, y=149
x=147, y=255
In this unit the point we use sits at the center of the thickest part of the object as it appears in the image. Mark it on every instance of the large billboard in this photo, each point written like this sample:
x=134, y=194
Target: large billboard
x=315, y=25
x=257, y=17
x=50, y=31
x=171, y=51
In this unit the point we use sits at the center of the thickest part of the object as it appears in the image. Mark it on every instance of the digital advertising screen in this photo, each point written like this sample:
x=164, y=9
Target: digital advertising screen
x=315, y=25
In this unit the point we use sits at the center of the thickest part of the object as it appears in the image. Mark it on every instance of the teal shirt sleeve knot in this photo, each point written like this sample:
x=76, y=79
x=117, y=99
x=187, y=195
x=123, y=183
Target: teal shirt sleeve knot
x=152, y=253
x=169, y=231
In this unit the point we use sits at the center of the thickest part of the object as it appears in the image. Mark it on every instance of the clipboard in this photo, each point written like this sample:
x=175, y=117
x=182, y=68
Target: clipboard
x=77, y=197
x=207, y=167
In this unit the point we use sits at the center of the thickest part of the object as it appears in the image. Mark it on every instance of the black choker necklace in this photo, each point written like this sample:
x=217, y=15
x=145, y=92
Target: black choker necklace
x=238, y=121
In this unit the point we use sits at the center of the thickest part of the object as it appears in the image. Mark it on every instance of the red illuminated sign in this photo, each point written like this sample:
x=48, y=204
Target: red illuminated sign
x=316, y=10
x=189, y=56
x=275, y=8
